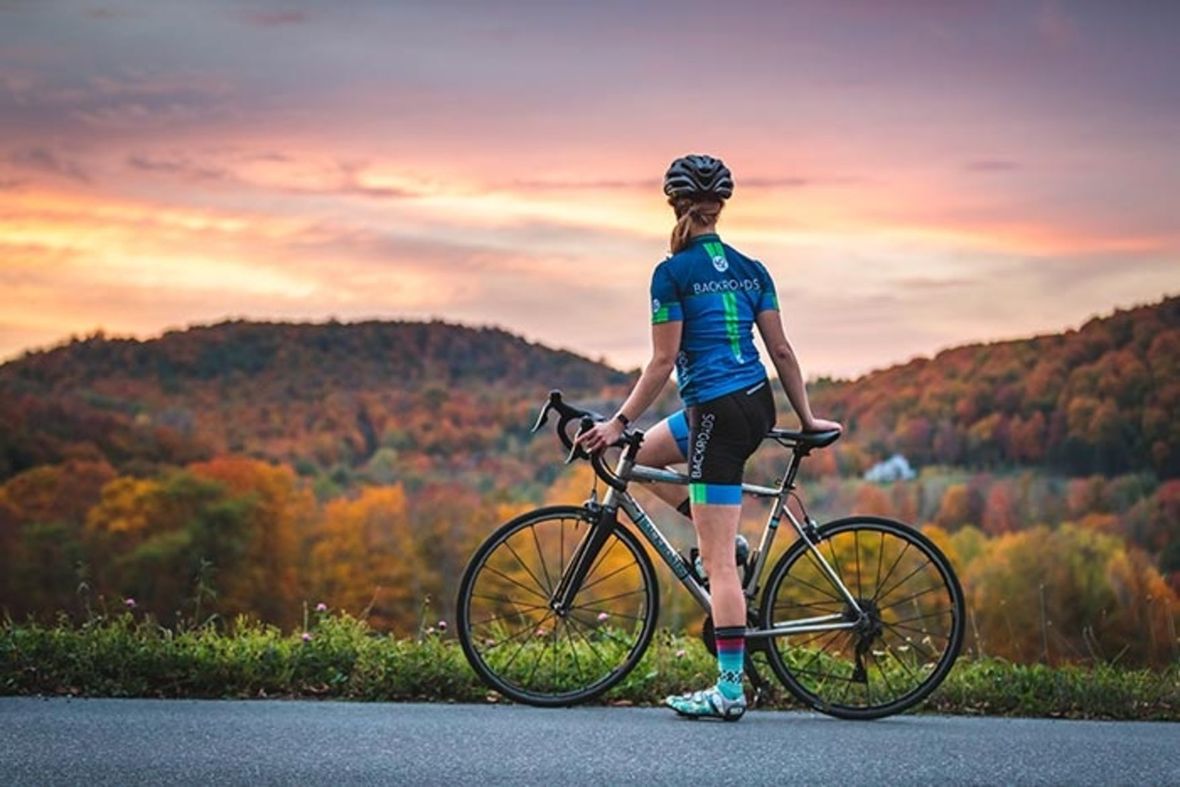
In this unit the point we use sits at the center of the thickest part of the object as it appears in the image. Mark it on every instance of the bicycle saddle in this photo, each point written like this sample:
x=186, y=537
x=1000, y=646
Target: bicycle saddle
x=809, y=439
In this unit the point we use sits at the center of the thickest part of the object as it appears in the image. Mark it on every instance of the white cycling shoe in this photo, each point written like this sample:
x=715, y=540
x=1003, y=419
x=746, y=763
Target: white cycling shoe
x=708, y=703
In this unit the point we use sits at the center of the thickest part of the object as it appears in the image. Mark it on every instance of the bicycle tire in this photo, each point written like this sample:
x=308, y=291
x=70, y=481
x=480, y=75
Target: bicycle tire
x=605, y=633
x=841, y=683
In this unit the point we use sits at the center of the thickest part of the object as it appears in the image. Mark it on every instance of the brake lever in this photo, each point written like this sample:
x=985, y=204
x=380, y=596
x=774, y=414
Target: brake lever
x=587, y=423
x=542, y=417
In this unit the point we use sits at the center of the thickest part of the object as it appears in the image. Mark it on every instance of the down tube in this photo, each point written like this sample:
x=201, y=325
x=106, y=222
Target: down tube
x=668, y=552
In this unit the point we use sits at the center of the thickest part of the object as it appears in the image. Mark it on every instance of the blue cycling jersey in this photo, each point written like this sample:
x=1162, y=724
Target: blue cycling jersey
x=717, y=292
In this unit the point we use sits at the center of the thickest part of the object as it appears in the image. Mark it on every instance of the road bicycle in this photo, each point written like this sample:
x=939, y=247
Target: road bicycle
x=859, y=618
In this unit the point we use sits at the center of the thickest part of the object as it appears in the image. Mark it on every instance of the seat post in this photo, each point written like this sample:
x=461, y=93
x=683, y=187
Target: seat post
x=793, y=469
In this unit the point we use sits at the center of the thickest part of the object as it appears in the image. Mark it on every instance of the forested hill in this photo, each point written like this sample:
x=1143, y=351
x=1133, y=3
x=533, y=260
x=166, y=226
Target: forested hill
x=1100, y=399
x=383, y=401
x=328, y=397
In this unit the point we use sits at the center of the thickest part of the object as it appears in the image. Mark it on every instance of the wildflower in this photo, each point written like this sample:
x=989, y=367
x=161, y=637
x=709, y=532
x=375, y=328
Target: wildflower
x=321, y=607
x=442, y=625
x=680, y=653
x=602, y=616
x=430, y=630
x=129, y=602
x=306, y=636
x=541, y=632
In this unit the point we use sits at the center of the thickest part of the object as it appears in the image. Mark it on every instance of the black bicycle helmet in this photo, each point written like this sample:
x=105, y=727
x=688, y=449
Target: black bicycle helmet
x=699, y=177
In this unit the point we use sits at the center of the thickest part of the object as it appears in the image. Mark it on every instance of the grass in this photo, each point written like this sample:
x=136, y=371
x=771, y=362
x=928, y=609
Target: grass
x=342, y=658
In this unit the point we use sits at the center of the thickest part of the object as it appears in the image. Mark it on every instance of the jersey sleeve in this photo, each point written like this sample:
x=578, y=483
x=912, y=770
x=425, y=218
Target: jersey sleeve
x=768, y=297
x=665, y=300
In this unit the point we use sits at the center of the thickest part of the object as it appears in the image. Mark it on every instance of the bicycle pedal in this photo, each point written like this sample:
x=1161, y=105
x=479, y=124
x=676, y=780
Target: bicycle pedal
x=733, y=714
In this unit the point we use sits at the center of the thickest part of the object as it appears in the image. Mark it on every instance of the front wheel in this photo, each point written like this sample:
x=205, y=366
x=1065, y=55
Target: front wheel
x=905, y=639
x=520, y=645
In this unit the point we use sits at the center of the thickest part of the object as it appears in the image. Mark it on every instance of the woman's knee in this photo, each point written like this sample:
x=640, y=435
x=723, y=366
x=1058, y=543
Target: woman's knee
x=660, y=446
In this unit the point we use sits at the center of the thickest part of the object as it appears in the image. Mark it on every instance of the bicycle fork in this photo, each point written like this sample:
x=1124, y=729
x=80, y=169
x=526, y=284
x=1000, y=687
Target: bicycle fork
x=582, y=560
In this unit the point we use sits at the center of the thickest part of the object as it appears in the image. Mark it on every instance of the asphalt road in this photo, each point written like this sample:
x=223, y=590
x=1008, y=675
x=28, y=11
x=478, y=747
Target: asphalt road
x=126, y=742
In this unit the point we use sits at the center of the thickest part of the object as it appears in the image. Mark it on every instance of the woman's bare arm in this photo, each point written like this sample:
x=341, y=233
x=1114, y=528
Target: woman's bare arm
x=782, y=355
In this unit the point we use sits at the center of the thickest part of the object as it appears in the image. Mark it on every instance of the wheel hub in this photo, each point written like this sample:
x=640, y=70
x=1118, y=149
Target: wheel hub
x=868, y=620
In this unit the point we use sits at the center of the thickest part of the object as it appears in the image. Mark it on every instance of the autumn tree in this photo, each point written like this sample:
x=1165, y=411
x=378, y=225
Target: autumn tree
x=365, y=559
x=267, y=583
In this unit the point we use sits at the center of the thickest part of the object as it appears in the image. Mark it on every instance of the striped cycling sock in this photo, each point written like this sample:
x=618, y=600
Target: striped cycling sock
x=731, y=659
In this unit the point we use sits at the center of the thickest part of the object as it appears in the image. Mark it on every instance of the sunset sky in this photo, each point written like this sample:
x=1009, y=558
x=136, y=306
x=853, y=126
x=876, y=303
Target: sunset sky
x=915, y=174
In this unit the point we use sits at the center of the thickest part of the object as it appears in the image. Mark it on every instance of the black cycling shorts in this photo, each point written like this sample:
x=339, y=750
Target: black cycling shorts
x=723, y=433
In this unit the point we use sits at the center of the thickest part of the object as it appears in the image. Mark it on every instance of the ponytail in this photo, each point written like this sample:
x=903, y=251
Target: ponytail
x=689, y=215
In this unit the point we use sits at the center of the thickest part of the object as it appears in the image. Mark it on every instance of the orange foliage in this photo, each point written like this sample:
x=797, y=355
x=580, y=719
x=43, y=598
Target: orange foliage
x=364, y=559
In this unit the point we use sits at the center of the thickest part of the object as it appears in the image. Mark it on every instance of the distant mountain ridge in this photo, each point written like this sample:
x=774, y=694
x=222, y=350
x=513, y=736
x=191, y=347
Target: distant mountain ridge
x=380, y=401
x=1099, y=399
x=403, y=351
x=323, y=394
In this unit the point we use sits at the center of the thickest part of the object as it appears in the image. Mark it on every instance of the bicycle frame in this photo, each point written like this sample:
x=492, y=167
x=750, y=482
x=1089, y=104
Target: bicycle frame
x=619, y=498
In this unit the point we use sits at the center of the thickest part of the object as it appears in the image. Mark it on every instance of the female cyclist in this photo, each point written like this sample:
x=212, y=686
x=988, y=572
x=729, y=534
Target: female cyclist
x=705, y=299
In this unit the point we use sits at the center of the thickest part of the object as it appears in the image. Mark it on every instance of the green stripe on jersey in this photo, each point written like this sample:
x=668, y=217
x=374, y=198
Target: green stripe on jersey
x=729, y=300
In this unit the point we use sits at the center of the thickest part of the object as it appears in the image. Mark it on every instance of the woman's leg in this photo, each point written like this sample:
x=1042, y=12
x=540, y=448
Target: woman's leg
x=663, y=445
x=725, y=431
x=717, y=529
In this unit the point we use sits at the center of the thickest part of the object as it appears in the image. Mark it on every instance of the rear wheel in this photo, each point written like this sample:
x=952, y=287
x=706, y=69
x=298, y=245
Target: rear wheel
x=523, y=648
x=906, y=638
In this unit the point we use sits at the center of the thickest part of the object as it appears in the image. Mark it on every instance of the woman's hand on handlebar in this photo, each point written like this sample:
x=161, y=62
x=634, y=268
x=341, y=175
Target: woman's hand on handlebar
x=821, y=425
x=600, y=435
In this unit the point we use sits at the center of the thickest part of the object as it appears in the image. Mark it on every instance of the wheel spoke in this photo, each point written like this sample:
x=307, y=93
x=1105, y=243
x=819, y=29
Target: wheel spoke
x=810, y=605
x=616, y=596
x=835, y=559
x=856, y=547
x=601, y=557
x=523, y=565
x=824, y=675
x=612, y=614
x=519, y=584
x=816, y=635
x=501, y=617
x=935, y=613
x=814, y=556
x=923, y=632
x=525, y=643
x=911, y=598
x=897, y=658
x=837, y=599
x=541, y=557
x=884, y=674
x=522, y=633
x=832, y=638
x=880, y=557
x=900, y=555
x=593, y=649
x=608, y=576
x=603, y=633
x=914, y=644
x=885, y=594
x=573, y=652
x=504, y=600
x=561, y=549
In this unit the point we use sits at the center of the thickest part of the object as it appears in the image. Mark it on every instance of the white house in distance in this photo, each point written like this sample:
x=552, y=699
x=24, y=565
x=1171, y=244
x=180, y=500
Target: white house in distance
x=895, y=468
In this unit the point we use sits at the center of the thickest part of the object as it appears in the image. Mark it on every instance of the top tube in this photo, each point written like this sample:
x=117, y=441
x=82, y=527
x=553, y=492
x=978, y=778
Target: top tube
x=663, y=475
